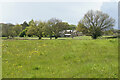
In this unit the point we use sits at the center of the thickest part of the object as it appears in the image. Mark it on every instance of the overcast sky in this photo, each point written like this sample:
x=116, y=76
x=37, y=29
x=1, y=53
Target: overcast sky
x=71, y=12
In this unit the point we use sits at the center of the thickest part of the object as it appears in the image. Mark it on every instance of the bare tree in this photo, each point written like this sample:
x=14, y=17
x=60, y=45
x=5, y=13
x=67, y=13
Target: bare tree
x=95, y=22
x=54, y=24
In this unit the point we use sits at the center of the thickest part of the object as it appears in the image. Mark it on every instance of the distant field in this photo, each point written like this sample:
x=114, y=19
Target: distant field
x=44, y=38
x=47, y=38
x=68, y=58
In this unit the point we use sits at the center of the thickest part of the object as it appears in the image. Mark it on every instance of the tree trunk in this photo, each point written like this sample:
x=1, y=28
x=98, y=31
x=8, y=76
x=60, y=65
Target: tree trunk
x=50, y=37
x=94, y=36
x=39, y=37
x=56, y=37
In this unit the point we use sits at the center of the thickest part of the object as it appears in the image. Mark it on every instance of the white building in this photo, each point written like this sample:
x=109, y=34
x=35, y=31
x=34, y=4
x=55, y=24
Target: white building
x=70, y=33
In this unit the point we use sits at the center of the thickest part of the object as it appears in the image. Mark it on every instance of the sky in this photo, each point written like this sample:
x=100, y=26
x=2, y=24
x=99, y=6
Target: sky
x=72, y=11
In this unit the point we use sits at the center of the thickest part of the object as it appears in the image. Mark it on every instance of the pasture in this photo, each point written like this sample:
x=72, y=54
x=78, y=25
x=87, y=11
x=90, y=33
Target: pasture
x=70, y=58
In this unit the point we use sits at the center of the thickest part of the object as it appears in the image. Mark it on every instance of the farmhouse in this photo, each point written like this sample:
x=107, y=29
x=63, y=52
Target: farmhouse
x=69, y=33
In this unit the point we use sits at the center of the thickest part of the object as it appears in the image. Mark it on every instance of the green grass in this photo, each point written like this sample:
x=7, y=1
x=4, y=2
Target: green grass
x=60, y=58
x=63, y=38
x=47, y=38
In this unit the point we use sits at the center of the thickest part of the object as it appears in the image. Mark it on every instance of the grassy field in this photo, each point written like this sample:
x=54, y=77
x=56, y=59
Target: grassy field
x=60, y=38
x=46, y=38
x=68, y=58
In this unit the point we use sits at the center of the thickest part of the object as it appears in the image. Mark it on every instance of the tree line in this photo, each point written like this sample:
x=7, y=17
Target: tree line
x=94, y=24
x=36, y=28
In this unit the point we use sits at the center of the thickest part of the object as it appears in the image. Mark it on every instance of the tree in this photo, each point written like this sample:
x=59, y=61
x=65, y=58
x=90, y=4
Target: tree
x=65, y=25
x=31, y=30
x=96, y=22
x=24, y=25
x=82, y=28
x=7, y=30
x=72, y=27
x=53, y=23
x=17, y=29
x=57, y=26
x=32, y=23
x=39, y=29
x=48, y=29
x=36, y=28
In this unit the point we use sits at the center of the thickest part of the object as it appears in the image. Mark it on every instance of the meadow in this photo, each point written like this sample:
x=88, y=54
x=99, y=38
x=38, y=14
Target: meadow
x=69, y=58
